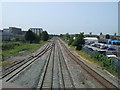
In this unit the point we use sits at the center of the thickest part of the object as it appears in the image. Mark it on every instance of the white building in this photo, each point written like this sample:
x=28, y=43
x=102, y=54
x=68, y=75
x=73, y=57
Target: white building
x=91, y=39
x=36, y=30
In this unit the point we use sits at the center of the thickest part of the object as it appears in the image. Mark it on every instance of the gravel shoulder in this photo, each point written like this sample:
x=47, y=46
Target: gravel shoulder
x=103, y=73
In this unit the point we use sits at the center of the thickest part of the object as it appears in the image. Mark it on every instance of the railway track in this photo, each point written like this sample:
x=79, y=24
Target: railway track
x=68, y=82
x=94, y=74
x=51, y=68
x=54, y=76
x=45, y=76
x=29, y=58
x=17, y=65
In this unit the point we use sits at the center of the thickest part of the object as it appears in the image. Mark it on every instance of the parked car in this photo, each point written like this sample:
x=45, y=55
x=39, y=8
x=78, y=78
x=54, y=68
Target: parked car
x=94, y=45
x=110, y=56
x=111, y=49
x=103, y=47
x=98, y=46
x=91, y=49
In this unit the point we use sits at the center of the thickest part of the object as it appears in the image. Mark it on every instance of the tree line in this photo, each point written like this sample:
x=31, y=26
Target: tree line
x=34, y=38
x=76, y=40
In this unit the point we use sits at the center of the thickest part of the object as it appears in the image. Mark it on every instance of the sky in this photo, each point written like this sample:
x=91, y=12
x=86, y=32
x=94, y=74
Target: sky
x=62, y=17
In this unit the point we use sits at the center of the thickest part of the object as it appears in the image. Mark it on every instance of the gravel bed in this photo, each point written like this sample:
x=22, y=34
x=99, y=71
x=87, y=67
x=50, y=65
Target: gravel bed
x=56, y=70
x=102, y=73
x=62, y=72
x=79, y=77
x=29, y=77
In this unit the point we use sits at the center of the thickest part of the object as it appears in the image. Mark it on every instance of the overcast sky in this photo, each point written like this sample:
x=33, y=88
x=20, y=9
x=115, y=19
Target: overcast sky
x=62, y=17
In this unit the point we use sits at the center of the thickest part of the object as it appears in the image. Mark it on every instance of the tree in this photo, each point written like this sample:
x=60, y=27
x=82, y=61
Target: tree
x=70, y=40
x=101, y=33
x=44, y=36
x=79, y=41
x=37, y=38
x=40, y=36
x=98, y=37
x=29, y=36
x=61, y=35
x=90, y=33
x=107, y=36
x=17, y=39
x=32, y=37
x=67, y=36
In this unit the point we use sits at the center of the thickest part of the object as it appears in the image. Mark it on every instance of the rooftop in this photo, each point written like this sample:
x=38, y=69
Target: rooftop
x=91, y=38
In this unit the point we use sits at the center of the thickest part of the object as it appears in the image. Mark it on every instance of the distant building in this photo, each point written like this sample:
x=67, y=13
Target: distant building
x=11, y=33
x=102, y=37
x=24, y=32
x=36, y=30
x=6, y=35
x=91, y=39
x=15, y=30
x=0, y=35
x=6, y=30
x=88, y=35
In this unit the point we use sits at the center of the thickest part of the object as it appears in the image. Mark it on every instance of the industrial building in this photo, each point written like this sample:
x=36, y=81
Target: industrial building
x=11, y=33
x=36, y=30
x=15, y=31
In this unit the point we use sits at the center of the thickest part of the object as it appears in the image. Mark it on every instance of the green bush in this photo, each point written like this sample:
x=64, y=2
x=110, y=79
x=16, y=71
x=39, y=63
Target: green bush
x=79, y=41
x=70, y=40
x=32, y=37
x=105, y=62
x=44, y=36
x=9, y=45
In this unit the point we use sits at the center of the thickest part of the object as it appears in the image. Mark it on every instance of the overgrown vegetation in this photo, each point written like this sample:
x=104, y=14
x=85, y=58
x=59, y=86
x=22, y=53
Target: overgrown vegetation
x=4, y=64
x=106, y=63
x=29, y=43
x=76, y=40
x=19, y=48
x=101, y=60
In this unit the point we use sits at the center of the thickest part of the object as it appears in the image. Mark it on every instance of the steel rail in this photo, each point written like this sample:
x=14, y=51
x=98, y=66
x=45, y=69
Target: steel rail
x=41, y=81
x=94, y=74
x=61, y=54
x=37, y=56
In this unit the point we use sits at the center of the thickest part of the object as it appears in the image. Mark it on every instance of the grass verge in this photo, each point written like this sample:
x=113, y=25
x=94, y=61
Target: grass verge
x=5, y=64
x=19, y=49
